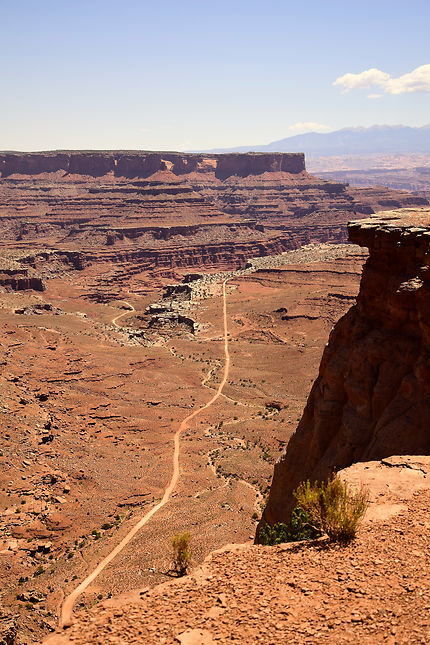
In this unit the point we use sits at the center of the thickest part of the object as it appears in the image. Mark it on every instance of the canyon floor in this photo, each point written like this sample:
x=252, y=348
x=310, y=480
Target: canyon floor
x=92, y=394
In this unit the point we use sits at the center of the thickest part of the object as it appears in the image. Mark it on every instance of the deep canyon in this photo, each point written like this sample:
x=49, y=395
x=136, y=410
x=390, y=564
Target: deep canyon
x=111, y=271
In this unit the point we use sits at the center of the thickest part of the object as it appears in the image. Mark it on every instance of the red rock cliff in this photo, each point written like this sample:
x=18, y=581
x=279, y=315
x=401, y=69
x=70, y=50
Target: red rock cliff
x=143, y=164
x=372, y=395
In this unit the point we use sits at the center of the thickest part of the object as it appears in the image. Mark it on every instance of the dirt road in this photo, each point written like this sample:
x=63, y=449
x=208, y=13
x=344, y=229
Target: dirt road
x=68, y=604
x=127, y=311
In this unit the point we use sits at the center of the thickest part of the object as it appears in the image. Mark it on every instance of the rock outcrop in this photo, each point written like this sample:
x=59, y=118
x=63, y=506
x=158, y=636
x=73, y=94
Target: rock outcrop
x=15, y=276
x=372, y=396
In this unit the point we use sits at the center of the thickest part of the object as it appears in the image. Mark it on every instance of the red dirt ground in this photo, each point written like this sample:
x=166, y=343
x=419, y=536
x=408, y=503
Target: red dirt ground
x=374, y=590
x=112, y=401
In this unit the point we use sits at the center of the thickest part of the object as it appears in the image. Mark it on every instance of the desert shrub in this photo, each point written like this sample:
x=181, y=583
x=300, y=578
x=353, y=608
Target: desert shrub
x=334, y=506
x=299, y=528
x=276, y=534
x=181, y=553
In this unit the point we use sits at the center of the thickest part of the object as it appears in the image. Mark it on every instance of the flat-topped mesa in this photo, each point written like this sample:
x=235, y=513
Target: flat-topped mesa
x=371, y=399
x=143, y=164
x=258, y=163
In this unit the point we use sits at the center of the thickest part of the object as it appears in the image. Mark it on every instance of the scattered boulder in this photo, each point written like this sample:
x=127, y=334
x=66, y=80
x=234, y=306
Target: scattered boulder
x=195, y=637
x=47, y=438
x=31, y=596
x=8, y=628
x=275, y=405
x=58, y=521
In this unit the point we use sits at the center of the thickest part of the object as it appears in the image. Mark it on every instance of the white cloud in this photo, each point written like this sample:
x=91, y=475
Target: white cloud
x=374, y=96
x=362, y=81
x=416, y=81
x=309, y=126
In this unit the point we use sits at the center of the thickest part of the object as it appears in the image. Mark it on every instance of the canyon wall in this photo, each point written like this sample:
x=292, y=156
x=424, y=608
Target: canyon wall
x=165, y=213
x=143, y=164
x=372, y=395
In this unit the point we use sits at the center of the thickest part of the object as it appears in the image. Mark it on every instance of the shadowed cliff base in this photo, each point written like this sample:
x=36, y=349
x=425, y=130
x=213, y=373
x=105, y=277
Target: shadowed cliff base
x=372, y=396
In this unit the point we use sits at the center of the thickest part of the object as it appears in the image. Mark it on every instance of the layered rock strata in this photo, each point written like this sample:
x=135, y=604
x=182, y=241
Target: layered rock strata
x=372, y=395
x=144, y=164
x=16, y=276
x=159, y=212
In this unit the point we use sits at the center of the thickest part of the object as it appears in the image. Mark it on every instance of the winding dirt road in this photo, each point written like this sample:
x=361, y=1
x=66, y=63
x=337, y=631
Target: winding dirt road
x=66, y=618
x=127, y=311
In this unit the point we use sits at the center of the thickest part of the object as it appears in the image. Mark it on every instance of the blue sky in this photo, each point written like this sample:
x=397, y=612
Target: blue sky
x=188, y=74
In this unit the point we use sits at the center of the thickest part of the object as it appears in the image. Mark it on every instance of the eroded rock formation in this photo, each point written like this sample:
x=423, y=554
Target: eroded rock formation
x=144, y=164
x=372, y=395
x=166, y=213
x=16, y=276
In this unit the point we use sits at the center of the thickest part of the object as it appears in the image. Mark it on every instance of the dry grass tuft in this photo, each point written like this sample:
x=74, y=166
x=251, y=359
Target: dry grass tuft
x=181, y=553
x=334, y=506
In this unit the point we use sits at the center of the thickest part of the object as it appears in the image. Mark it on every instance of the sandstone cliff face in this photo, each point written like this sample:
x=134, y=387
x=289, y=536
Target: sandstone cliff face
x=372, y=395
x=256, y=164
x=144, y=164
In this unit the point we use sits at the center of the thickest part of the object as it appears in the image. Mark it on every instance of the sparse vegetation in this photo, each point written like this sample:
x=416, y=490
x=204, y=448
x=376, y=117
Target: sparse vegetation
x=181, y=553
x=333, y=506
x=330, y=507
x=299, y=528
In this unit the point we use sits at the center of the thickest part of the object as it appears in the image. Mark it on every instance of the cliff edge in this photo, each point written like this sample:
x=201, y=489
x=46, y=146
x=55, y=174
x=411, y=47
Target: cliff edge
x=144, y=163
x=373, y=591
x=372, y=395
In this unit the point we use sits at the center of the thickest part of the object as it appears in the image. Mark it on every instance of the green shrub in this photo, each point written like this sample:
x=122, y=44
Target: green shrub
x=276, y=534
x=181, y=553
x=334, y=506
x=299, y=528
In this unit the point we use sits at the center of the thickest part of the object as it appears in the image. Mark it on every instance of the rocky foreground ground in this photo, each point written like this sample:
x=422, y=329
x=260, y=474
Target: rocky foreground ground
x=376, y=590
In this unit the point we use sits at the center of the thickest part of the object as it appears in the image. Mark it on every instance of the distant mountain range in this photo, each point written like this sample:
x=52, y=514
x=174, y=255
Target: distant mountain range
x=379, y=139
